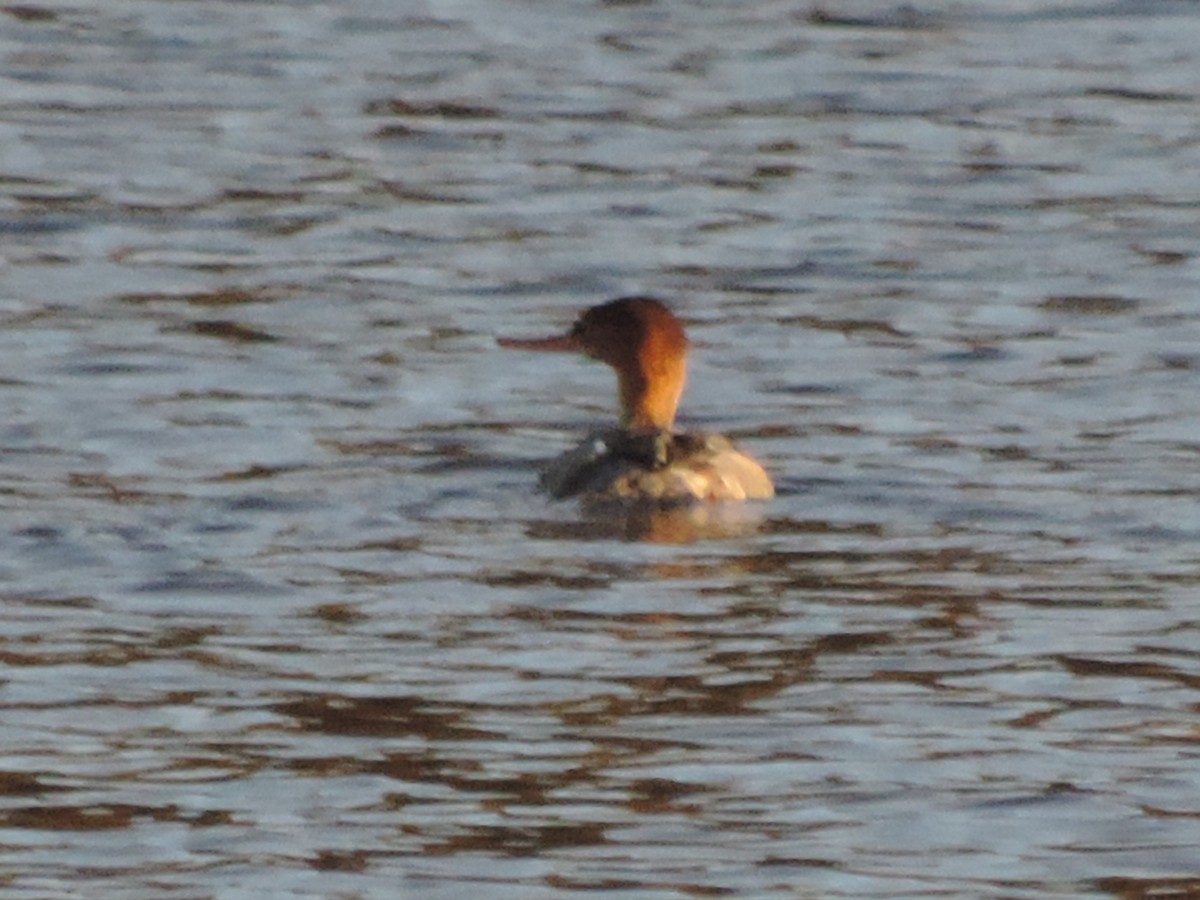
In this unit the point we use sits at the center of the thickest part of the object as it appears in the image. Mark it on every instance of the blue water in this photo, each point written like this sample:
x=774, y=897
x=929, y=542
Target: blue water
x=281, y=612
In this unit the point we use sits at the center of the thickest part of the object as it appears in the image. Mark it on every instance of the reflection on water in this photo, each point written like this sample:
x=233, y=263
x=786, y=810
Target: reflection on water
x=657, y=525
x=282, y=613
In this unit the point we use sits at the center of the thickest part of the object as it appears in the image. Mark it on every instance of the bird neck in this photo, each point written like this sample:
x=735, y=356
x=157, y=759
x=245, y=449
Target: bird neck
x=650, y=393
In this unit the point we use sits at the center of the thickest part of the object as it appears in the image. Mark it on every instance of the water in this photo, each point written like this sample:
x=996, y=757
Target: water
x=282, y=612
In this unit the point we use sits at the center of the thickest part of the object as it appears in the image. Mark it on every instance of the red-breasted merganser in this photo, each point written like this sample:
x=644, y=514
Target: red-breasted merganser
x=643, y=459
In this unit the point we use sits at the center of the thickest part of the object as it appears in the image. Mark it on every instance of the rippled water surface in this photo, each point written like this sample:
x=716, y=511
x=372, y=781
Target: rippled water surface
x=282, y=613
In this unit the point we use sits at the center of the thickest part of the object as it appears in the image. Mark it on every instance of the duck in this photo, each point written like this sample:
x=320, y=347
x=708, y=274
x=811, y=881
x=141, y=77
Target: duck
x=644, y=459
